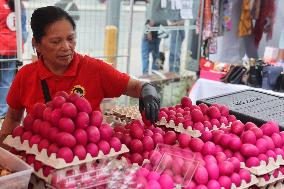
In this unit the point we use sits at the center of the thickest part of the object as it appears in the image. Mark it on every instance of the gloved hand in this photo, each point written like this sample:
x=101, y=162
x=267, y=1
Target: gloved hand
x=149, y=102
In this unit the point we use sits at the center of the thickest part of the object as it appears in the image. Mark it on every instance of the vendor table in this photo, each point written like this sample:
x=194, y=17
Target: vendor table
x=204, y=88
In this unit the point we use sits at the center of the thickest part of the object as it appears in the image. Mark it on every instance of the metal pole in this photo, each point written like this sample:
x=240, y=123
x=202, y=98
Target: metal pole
x=19, y=30
x=129, y=36
x=200, y=34
x=112, y=22
x=113, y=12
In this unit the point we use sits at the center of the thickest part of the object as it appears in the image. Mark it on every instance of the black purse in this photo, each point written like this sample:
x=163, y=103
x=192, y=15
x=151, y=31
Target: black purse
x=255, y=74
x=234, y=74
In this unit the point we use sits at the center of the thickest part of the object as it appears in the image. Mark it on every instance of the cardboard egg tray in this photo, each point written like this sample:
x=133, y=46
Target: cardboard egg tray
x=40, y=175
x=243, y=185
x=264, y=167
x=279, y=160
x=47, y=179
x=262, y=182
x=130, y=112
x=277, y=185
x=57, y=163
x=122, y=121
x=180, y=129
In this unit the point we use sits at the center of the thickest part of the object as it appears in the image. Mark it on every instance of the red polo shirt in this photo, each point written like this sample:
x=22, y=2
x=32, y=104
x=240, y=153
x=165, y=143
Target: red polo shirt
x=8, y=45
x=93, y=78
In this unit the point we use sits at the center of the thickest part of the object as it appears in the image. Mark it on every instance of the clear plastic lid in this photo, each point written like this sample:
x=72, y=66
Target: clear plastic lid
x=107, y=174
x=179, y=163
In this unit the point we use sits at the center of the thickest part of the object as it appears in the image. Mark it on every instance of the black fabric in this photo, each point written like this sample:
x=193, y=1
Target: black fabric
x=255, y=76
x=149, y=102
x=45, y=91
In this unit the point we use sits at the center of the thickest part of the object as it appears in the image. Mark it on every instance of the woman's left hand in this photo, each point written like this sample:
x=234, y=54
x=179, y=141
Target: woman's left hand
x=149, y=102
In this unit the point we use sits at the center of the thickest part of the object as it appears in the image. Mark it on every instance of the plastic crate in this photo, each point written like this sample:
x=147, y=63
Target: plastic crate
x=251, y=105
x=20, y=177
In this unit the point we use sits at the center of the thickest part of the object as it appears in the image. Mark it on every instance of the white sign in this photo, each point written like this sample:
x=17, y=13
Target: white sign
x=186, y=9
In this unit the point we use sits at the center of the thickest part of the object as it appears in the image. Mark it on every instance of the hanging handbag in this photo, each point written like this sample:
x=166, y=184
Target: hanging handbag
x=270, y=75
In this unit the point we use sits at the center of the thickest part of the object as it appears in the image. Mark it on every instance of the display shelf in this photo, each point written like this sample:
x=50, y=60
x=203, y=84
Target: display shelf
x=57, y=163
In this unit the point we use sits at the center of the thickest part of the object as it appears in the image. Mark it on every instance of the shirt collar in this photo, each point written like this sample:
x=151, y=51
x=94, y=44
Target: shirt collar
x=45, y=73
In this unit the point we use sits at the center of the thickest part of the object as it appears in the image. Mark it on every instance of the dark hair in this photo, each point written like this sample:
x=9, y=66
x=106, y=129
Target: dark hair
x=11, y=5
x=44, y=16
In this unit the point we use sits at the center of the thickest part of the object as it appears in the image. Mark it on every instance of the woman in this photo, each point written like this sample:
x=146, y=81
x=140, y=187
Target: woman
x=60, y=68
x=8, y=49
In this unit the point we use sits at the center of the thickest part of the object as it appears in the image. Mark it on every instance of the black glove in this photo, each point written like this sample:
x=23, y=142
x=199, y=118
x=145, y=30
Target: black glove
x=149, y=102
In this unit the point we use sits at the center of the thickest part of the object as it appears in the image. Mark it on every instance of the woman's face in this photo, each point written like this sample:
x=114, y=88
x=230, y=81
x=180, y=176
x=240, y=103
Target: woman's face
x=57, y=45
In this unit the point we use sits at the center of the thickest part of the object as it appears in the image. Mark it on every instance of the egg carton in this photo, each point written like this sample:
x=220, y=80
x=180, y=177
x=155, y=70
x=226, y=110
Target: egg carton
x=114, y=119
x=279, y=160
x=189, y=130
x=111, y=174
x=263, y=168
x=131, y=112
x=40, y=175
x=272, y=179
x=47, y=179
x=277, y=185
x=244, y=184
x=52, y=161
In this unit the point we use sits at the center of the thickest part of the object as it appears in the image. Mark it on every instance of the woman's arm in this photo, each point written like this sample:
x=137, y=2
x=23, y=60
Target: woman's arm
x=134, y=88
x=12, y=119
x=149, y=101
